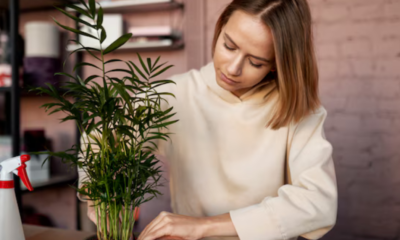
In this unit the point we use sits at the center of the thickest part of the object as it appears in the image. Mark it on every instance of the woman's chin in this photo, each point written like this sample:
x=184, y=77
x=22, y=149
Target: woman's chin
x=225, y=86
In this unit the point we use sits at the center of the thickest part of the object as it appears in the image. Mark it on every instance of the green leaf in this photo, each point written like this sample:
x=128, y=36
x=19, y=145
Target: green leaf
x=164, y=124
x=166, y=117
x=113, y=60
x=81, y=81
x=74, y=17
x=155, y=69
x=155, y=84
x=119, y=70
x=75, y=30
x=103, y=35
x=160, y=72
x=149, y=64
x=65, y=74
x=163, y=93
x=84, y=4
x=92, y=7
x=100, y=17
x=138, y=70
x=90, y=78
x=87, y=49
x=80, y=10
x=155, y=64
x=117, y=43
x=142, y=63
x=81, y=64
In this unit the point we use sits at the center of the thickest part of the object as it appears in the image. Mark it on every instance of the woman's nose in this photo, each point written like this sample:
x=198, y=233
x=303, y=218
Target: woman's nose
x=235, y=67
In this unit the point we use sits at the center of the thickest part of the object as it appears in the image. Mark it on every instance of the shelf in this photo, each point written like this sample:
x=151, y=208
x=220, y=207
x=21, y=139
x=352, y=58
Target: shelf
x=52, y=182
x=137, y=6
x=34, y=94
x=5, y=89
x=24, y=93
x=162, y=45
x=36, y=5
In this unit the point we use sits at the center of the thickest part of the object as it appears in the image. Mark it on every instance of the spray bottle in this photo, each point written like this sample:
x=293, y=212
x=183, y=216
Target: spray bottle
x=10, y=221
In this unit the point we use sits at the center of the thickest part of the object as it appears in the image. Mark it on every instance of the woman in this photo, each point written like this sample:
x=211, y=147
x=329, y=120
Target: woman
x=245, y=120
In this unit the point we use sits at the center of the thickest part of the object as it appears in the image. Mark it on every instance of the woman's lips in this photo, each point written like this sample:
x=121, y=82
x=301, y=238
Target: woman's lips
x=227, y=80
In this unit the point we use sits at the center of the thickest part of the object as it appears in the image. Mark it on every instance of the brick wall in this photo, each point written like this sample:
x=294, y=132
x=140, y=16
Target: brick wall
x=358, y=50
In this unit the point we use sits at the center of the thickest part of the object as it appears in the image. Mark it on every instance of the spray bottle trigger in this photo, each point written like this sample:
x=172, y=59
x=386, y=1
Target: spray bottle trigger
x=24, y=176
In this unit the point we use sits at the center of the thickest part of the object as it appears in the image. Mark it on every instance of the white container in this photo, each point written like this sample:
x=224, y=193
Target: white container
x=35, y=171
x=112, y=23
x=153, y=31
x=5, y=148
x=42, y=39
x=10, y=221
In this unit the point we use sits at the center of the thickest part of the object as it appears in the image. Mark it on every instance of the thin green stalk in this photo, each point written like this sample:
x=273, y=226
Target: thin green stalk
x=116, y=217
x=96, y=207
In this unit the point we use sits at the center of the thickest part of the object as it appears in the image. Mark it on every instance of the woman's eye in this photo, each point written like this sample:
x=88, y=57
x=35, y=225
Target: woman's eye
x=228, y=47
x=255, y=65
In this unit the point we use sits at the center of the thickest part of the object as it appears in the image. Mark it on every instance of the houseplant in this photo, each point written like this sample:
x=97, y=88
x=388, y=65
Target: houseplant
x=120, y=120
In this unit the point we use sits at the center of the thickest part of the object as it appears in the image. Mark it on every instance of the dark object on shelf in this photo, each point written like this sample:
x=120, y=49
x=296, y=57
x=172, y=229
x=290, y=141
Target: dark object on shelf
x=40, y=70
x=30, y=216
x=34, y=140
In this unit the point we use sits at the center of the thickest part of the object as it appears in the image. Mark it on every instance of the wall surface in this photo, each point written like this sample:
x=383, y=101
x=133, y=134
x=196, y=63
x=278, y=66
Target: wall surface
x=358, y=46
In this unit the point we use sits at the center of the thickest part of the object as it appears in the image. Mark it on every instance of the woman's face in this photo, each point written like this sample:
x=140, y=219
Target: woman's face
x=244, y=53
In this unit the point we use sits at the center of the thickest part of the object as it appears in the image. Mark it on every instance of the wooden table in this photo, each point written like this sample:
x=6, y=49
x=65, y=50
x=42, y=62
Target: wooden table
x=43, y=233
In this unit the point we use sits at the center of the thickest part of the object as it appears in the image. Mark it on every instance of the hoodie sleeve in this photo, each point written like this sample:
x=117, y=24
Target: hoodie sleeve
x=308, y=206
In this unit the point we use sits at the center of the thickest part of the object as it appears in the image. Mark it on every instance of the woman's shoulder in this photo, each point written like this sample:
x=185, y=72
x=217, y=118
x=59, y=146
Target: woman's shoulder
x=314, y=118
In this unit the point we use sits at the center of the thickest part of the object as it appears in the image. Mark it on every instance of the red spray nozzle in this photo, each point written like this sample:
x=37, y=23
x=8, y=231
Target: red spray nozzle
x=22, y=172
x=24, y=158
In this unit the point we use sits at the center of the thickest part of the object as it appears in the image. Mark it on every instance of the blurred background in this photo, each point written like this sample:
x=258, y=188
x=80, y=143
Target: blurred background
x=358, y=49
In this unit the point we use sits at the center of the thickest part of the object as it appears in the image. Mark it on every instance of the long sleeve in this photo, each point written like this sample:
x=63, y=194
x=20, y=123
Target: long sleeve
x=308, y=206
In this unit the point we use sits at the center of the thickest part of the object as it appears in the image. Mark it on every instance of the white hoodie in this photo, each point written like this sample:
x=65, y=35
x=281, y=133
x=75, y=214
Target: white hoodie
x=223, y=159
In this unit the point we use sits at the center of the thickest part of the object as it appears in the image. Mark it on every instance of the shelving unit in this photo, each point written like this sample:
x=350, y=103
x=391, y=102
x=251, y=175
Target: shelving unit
x=25, y=93
x=143, y=46
x=137, y=6
x=14, y=93
x=34, y=5
x=171, y=43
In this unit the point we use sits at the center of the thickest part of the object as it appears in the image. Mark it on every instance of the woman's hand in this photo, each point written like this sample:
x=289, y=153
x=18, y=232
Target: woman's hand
x=173, y=226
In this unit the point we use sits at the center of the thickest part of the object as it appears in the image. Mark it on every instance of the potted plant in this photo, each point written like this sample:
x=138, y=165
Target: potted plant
x=120, y=120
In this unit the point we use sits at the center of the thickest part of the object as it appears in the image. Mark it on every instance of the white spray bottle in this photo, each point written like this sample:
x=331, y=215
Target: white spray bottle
x=10, y=221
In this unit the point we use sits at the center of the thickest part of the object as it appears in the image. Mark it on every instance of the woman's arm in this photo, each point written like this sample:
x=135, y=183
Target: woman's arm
x=174, y=226
x=308, y=206
x=220, y=225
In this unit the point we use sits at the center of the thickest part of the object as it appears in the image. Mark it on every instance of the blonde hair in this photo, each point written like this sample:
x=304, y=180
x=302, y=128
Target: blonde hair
x=297, y=72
